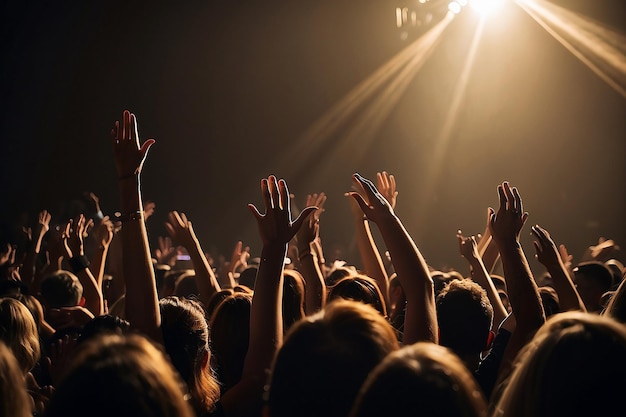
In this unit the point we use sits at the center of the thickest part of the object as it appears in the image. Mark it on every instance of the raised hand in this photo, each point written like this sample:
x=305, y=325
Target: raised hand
x=547, y=252
x=129, y=153
x=239, y=257
x=566, y=257
x=181, y=229
x=373, y=204
x=387, y=187
x=166, y=252
x=103, y=233
x=276, y=226
x=75, y=232
x=468, y=246
x=506, y=224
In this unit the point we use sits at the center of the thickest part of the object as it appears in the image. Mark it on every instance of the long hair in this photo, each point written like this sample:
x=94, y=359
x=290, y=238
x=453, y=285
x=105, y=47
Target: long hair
x=19, y=331
x=186, y=340
x=575, y=365
x=113, y=375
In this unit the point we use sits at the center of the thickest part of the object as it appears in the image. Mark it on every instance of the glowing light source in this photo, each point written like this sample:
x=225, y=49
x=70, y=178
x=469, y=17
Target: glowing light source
x=486, y=7
x=454, y=7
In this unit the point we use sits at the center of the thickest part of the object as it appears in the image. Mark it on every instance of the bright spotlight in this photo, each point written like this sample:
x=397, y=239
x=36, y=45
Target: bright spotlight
x=454, y=7
x=486, y=7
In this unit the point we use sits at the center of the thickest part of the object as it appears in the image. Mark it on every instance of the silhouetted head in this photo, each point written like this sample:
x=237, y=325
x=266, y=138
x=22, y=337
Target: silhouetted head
x=574, y=366
x=61, y=289
x=465, y=316
x=423, y=379
x=113, y=375
x=293, y=298
x=18, y=331
x=592, y=280
x=325, y=359
x=359, y=288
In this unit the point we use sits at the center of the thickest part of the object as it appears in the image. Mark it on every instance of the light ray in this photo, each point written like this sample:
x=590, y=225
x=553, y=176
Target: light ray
x=377, y=94
x=603, y=50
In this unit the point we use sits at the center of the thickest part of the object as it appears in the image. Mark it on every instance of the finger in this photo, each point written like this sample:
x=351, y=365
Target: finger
x=502, y=197
x=171, y=231
x=491, y=216
x=518, y=200
x=509, y=196
x=146, y=147
x=265, y=192
x=360, y=201
x=368, y=186
x=392, y=183
x=125, y=126
x=537, y=248
x=304, y=214
x=524, y=218
x=255, y=211
x=132, y=130
x=283, y=194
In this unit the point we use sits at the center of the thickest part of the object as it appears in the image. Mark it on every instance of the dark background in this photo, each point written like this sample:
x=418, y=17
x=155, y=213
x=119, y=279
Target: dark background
x=229, y=90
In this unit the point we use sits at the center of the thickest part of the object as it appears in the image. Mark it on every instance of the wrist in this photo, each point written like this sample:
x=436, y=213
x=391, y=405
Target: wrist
x=78, y=263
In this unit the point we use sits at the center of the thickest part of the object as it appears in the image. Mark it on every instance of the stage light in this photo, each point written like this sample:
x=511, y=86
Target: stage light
x=486, y=7
x=454, y=7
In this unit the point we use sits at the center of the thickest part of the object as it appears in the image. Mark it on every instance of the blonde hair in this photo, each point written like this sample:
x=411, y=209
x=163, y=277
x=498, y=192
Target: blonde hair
x=575, y=365
x=19, y=331
x=14, y=399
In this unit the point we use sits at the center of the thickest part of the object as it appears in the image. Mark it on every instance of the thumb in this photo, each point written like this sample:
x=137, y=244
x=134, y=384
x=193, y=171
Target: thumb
x=302, y=217
x=146, y=147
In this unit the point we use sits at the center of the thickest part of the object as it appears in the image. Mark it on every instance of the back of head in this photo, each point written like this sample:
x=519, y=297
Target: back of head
x=186, y=286
x=247, y=277
x=230, y=335
x=550, y=300
x=14, y=399
x=113, y=375
x=464, y=315
x=61, y=289
x=337, y=273
x=359, y=288
x=19, y=331
x=423, y=379
x=325, y=359
x=575, y=365
x=592, y=280
x=293, y=298
x=186, y=340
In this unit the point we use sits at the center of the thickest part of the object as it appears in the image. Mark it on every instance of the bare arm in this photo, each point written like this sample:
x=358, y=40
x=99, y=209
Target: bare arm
x=409, y=264
x=315, y=287
x=523, y=294
x=103, y=235
x=276, y=230
x=548, y=255
x=142, y=306
x=181, y=229
x=469, y=250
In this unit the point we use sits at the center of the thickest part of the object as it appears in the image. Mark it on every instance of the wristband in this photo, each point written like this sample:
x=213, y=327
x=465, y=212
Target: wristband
x=133, y=215
x=79, y=263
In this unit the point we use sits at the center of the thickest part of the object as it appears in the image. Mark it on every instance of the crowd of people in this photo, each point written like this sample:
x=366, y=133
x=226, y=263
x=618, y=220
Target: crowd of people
x=93, y=321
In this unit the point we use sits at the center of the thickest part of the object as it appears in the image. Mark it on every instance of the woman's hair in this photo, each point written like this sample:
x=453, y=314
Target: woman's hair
x=186, y=340
x=14, y=399
x=325, y=359
x=359, y=288
x=421, y=379
x=575, y=365
x=293, y=298
x=230, y=335
x=113, y=375
x=19, y=331
x=215, y=301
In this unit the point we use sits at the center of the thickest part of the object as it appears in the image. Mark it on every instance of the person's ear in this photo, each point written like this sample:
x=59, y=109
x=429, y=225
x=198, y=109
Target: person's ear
x=490, y=338
x=82, y=302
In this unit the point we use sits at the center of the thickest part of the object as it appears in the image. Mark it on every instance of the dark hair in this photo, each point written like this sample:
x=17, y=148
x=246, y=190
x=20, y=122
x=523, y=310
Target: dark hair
x=465, y=316
x=247, y=277
x=359, y=288
x=325, y=359
x=230, y=335
x=186, y=340
x=598, y=272
x=293, y=298
x=61, y=289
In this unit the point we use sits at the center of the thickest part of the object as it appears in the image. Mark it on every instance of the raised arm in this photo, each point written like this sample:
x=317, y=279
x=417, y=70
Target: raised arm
x=74, y=235
x=181, y=230
x=276, y=229
x=315, y=287
x=549, y=256
x=469, y=250
x=505, y=226
x=103, y=235
x=142, y=306
x=421, y=318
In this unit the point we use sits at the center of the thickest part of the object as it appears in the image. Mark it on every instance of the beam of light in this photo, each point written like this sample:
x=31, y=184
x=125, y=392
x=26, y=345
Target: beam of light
x=443, y=138
x=600, y=48
x=486, y=7
x=352, y=127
